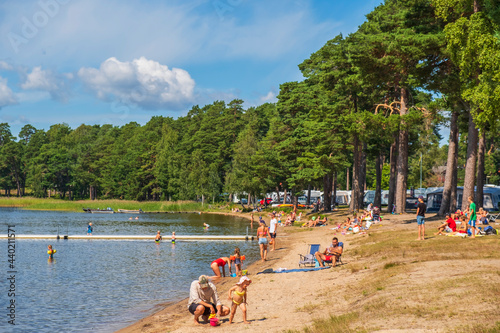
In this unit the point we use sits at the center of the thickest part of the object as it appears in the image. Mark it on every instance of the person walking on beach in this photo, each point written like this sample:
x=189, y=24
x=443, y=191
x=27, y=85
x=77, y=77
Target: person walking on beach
x=421, y=207
x=203, y=300
x=221, y=262
x=262, y=235
x=273, y=226
x=472, y=218
x=239, y=297
x=90, y=229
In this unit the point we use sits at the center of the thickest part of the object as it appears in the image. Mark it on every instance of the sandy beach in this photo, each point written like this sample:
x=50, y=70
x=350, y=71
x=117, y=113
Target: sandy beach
x=389, y=282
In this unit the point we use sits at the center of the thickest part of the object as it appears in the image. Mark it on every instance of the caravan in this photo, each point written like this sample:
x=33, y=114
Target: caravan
x=491, y=198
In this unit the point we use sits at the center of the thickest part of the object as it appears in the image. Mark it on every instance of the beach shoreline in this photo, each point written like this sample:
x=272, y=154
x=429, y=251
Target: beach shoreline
x=369, y=291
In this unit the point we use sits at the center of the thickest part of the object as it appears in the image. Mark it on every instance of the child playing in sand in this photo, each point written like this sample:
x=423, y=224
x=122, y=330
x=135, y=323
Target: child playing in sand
x=51, y=252
x=239, y=297
x=237, y=261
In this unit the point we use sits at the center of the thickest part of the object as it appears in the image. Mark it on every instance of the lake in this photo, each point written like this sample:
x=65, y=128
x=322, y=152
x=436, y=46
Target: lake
x=105, y=285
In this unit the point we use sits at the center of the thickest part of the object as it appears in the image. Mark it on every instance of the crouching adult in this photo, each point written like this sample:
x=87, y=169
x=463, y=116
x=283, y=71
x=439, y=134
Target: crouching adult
x=203, y=300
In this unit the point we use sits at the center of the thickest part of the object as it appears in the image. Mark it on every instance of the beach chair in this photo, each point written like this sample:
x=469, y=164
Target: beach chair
x=492, y=217
x=339, y=259
x=309, y=259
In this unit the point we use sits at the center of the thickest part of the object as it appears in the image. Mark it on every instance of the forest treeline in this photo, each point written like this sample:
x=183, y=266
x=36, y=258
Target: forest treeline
x=366, y=115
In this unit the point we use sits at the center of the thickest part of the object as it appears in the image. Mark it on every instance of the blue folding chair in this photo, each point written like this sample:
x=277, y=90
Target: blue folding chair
x=339, y=259
x=309, y=259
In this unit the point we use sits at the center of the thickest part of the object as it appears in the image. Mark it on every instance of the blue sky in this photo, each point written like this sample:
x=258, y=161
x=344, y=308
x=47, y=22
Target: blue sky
x=97, y=62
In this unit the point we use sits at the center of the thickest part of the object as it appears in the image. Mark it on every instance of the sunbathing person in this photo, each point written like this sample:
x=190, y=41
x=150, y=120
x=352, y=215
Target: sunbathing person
x=333, y=253
x=463, y=226
x=448, y=226
x=323, y=221
x=313, y=222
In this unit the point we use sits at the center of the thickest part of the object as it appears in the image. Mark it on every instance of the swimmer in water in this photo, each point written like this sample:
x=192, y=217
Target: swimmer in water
x=158, y=237
x=173, y=237
x=51, y=252
x=206, y=225
x=90, y=229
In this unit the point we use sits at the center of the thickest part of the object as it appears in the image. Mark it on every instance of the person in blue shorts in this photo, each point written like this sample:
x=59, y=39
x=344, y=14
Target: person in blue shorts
x=473, y=217
x=421, y=207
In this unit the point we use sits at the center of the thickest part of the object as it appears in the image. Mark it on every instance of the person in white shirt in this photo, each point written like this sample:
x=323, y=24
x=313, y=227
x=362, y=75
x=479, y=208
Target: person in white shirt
x=273, y=226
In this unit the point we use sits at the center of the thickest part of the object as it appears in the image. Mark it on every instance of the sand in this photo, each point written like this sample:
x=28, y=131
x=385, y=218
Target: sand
x=399, y=300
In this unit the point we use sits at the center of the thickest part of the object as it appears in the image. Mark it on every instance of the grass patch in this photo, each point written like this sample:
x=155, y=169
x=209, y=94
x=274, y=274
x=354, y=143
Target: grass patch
x=78, y=205
x=340, y=324
x=390, y=265
x=309, y=308
x=478, y=328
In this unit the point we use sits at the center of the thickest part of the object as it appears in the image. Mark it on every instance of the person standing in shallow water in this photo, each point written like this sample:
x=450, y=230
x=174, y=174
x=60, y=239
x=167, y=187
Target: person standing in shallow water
x=90, y=229
x=421, y=207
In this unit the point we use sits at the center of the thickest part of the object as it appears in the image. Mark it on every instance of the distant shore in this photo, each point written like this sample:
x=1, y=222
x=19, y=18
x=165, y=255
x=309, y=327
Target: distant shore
x=78, y=205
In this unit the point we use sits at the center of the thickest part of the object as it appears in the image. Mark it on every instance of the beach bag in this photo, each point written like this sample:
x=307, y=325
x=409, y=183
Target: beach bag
x=355, y=229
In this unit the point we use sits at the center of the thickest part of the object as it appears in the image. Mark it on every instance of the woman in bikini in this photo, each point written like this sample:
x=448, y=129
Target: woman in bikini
x=239, y=297
x=221, y=262
x=262, y=235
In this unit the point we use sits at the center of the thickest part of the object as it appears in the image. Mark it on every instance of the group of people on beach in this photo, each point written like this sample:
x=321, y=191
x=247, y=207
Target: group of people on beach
x=468, y=219
x=203, y=298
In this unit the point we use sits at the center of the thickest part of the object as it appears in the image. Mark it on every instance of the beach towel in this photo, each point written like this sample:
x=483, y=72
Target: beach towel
x=270, y=270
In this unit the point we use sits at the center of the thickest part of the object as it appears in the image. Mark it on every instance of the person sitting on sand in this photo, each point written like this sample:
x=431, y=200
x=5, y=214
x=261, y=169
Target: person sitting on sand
x=239, y=297
x=463, y=226
x=204, y=300
x=323, y=221
x=221, y=262
x=312, y=222
x=448, y=226
x=333, y=253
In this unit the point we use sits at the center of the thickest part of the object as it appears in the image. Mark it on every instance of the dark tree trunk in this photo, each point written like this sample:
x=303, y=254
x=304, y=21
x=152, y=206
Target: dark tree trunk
x=470, y=166
x=402, y=163
x=450, y=181
x=393, y=178
x=347, y=182
x=362, y=175
x=327, y=188
x=355, y=194
x=377, y=201
x=308, y=202
x=334, y=189
x=480, y=170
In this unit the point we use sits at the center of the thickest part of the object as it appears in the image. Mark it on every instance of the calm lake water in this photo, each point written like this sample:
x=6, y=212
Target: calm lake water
x=105, y=285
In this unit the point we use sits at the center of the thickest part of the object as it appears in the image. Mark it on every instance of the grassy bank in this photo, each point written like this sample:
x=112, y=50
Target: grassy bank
x=78, y=205
x=401, y=282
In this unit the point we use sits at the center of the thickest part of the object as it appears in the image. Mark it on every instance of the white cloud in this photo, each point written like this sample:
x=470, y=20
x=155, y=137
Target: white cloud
x=269, y=98
x=7, y=97
x=5, y=66
x=46, y=80
x=142, y=82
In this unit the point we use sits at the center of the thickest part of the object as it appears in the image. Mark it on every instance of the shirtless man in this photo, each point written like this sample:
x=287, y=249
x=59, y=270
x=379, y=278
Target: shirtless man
x=333, y=252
